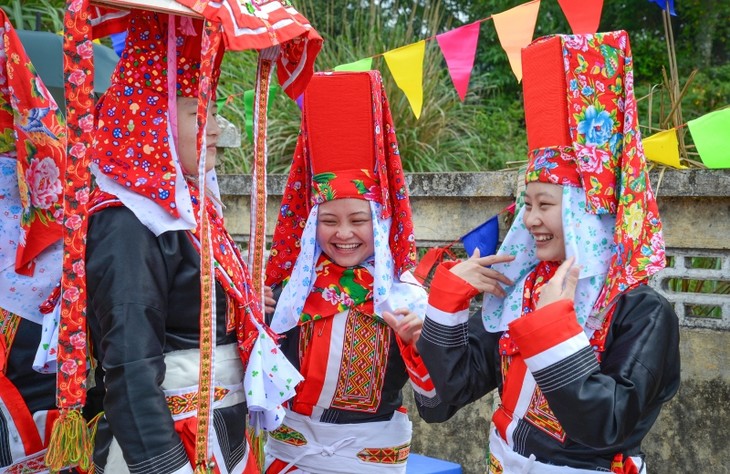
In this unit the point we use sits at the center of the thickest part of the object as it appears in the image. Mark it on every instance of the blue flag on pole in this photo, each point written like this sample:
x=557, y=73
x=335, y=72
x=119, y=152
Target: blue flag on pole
x=663, y=5
x=485, y=237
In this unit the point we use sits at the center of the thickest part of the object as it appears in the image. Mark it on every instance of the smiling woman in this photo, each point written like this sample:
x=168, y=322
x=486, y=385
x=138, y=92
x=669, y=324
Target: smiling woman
x=345, y=230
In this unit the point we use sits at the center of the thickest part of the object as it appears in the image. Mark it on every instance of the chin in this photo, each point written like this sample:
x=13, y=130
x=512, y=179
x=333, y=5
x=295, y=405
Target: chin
x=550, y=256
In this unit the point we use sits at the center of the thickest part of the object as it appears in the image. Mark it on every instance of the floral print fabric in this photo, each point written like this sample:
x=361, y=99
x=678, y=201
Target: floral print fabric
x=588, y=238
x=388, y=292
x=32, y=131
x=337, y=289
x=606, y=149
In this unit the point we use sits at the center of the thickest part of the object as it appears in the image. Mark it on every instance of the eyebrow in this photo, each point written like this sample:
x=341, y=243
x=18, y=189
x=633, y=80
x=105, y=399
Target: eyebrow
x=540, y=194
x=332, y=214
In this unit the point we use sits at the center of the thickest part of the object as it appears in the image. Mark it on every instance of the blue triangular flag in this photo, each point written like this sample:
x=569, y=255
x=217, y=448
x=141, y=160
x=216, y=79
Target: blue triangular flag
x=485, y=237
x=663, y=5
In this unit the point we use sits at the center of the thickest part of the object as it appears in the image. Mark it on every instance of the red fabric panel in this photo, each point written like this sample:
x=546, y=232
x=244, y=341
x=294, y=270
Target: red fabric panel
x=448, y=292
x=313, y=367
x=545, y=328
x=22, y=418
x=545, y=96
x=336, y=144
x=417, y=371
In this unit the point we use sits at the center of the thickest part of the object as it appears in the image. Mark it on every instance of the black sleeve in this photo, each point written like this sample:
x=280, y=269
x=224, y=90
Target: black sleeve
x=128, y=274
x=614, y=405
x=462, y=361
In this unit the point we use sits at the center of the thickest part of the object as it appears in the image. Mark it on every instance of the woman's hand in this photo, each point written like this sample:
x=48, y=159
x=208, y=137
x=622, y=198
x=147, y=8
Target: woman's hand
x=561, y=286
x=475, y=272
x=269, y=301
x=406, y=324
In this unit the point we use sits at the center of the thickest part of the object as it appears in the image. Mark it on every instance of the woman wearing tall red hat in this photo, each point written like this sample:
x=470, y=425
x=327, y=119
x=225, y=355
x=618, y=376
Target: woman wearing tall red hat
x=162, y=361
x=342, y=251
x=584, y=353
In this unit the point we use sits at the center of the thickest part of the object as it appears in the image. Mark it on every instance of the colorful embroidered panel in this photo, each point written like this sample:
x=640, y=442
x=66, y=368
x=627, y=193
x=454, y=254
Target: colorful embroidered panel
x=494, y=466
x=288, y=435
x=362, y=369
x=393, y=455
x=188, y=402
x=542, y=417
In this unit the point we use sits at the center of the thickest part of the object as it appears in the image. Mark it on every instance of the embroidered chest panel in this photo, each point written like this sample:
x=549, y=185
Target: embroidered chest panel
x=542, y=417
x=364, y=360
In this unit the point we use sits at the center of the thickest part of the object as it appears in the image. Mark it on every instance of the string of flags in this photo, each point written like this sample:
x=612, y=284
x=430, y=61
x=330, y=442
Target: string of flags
x=709, y=133
x=515, y=29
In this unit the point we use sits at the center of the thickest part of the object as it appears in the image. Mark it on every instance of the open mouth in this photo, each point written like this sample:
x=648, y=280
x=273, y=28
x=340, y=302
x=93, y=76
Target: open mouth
x=543, y=238
x=346, y=246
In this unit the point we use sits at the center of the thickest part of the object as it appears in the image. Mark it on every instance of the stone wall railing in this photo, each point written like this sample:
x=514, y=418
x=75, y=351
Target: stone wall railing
x=692, y=433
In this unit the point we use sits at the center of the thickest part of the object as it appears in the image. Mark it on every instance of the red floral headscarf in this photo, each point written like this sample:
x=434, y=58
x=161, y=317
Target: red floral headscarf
x=131, y=142
x=29, y=117
x=594, y=143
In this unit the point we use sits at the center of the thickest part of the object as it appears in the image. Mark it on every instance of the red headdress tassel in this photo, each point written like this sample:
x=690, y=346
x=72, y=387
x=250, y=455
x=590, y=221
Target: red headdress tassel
x=70, y=442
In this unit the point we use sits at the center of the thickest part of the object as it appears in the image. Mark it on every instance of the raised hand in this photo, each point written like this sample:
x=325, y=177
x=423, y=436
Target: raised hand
x=269, y=301
x=562, y=285
x=406, y=324
x=475, y=271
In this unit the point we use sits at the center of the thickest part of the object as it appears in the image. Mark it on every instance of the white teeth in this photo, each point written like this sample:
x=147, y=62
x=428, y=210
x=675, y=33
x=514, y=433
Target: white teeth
x=543, y=238
x=347, y=246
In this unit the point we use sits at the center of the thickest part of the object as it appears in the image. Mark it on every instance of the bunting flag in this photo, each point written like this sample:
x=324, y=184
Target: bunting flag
x=583, y=15
x=248, y=98
x=663, y=148
x=484, y=237
x=515, y=28
x=459, y=46
x=365, y=64
x=406, y=66
x=711, y=137
x=664, y=4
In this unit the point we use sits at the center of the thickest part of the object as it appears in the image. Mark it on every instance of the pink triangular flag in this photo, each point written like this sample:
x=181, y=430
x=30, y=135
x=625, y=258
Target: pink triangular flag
x=583, y=15
x=459, y=47
x=515, y=28
x=406, y=66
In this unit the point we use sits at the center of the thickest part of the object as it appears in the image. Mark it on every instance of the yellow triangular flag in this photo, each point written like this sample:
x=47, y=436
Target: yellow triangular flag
x=515, y=28
x=406, y=66
x=663, y=148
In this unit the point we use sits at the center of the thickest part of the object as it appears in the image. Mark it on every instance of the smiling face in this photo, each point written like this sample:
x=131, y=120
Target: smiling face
x=187, y=108
x=543, y=218
x=345, y=231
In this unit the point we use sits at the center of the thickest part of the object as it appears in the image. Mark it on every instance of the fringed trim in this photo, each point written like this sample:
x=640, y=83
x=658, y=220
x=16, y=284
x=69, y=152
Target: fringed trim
x=257, y=440
x=70, y=443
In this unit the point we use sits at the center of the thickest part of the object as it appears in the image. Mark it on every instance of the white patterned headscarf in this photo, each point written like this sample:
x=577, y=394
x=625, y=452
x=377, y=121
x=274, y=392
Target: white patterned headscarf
x=588, y=238
x=389, y=292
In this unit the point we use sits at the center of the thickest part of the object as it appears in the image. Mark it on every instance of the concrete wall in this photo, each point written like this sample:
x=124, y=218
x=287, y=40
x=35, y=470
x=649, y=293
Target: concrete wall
x=692, y=434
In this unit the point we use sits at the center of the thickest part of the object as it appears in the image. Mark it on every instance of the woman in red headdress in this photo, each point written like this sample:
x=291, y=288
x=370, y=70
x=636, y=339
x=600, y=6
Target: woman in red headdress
x=583, y=352
x=342, y=250
x=162, y=362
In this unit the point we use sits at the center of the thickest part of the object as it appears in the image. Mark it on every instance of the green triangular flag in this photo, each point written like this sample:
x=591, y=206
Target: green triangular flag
x=365, y=64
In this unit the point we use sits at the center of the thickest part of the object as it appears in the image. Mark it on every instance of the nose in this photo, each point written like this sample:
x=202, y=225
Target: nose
x=212, y=128
x=531, y=218
x=343, y=232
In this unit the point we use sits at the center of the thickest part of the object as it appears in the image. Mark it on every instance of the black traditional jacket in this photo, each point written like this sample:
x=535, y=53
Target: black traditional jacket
x=144, y=303
x=602, y=408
